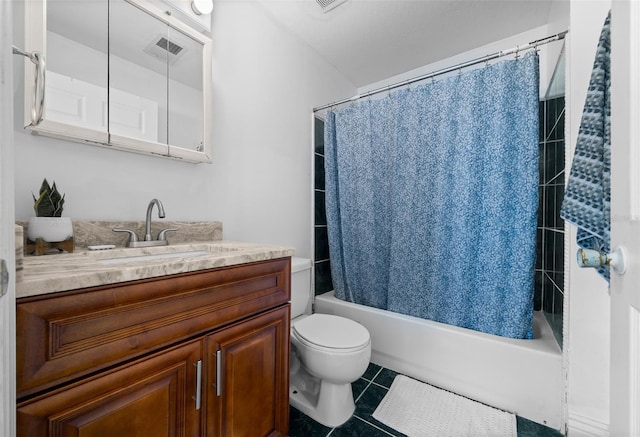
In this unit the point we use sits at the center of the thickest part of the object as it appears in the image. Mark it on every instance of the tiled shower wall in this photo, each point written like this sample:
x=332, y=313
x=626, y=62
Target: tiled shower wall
x=549, y=276
x=321, y=265
x=549, y=269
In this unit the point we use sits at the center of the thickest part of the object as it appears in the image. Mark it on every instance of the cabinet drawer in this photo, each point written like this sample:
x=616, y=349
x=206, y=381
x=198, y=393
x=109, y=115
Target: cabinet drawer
x=150, y=397
x=66, y=335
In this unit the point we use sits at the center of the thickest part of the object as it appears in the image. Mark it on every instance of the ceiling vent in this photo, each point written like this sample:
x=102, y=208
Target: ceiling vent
x=172, y=48
x=164, y=50
x=328, y=5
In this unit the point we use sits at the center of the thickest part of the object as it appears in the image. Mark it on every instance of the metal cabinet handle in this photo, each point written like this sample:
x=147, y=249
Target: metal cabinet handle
x=37, y=110
x=198, y=396
x=218, y=373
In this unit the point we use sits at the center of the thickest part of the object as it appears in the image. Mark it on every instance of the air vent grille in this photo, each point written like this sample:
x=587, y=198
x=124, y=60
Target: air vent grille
x=164, y=50
x=172, y=48
x=328, y=5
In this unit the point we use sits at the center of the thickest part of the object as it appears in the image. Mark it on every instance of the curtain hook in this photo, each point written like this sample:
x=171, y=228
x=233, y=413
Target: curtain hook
x=517, y=52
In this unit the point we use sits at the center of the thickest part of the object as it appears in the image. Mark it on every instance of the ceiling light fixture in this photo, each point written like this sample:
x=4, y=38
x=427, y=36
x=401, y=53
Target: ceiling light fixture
x=202, y=7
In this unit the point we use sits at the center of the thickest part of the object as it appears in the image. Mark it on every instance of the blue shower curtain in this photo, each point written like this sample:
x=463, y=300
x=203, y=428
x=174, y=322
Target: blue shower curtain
x=431, y=197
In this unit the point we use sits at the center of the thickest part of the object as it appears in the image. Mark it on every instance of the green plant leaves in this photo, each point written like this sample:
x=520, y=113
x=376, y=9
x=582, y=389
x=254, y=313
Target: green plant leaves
x=49, y=202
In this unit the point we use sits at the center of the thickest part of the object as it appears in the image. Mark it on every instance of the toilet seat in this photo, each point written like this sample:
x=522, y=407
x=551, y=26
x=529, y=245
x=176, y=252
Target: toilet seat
x=333, y=333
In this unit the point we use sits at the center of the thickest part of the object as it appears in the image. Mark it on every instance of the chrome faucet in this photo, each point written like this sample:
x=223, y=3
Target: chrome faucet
x=148, y=239
x=147, y=229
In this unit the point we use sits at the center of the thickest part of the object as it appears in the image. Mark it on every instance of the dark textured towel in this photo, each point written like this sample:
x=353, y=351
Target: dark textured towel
x=587, y=201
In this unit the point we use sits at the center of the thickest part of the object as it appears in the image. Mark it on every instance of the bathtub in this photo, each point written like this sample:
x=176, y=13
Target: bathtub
x=520, y=376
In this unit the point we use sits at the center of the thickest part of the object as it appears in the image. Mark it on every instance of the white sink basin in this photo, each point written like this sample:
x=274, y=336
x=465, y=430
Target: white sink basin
x=126, y=259
x=164, y=252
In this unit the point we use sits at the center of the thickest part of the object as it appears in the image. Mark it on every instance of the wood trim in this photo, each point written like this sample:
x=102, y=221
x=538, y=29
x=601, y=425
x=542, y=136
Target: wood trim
x=67, y=335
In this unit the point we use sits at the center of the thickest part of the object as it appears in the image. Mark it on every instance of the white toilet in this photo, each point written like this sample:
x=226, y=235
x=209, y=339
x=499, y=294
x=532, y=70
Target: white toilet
x=328, y=353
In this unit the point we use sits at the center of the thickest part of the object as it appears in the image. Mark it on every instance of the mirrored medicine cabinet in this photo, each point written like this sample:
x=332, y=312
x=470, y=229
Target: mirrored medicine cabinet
x=124, y=74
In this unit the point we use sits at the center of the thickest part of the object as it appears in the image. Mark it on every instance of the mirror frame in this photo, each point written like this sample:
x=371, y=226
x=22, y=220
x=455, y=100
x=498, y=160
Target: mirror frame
x=35, y=40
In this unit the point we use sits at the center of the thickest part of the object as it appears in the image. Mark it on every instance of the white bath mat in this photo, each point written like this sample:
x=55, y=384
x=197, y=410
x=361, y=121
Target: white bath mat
x=421, y=410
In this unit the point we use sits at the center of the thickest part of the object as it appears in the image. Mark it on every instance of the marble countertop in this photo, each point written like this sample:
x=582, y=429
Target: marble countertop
x=87, y=268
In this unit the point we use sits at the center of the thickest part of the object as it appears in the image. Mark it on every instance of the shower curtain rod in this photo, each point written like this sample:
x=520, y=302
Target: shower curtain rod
x=517, y=49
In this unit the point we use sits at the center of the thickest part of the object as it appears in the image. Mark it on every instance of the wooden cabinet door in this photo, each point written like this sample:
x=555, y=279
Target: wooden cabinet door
x=150, y=397
x=248, y=377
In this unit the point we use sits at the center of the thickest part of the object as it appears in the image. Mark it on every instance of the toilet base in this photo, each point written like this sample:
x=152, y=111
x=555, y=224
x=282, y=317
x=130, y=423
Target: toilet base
x=326, y=403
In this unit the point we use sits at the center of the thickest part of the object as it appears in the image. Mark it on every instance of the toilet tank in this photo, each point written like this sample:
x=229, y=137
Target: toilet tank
x=300, y=286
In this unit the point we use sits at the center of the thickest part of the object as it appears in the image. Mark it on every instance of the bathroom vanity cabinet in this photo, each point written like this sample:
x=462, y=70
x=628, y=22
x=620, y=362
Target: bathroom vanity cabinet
x=194, y=354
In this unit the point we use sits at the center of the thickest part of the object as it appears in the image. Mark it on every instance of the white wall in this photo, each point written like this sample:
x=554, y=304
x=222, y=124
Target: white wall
x=265, y=84
x=588, y=299
x=549, y=53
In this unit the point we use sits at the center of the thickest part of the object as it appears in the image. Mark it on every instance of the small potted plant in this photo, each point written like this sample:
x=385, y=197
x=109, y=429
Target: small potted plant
x=48, y=224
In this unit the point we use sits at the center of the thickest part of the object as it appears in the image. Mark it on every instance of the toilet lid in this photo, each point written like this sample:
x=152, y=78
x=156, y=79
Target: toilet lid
x=331, y=331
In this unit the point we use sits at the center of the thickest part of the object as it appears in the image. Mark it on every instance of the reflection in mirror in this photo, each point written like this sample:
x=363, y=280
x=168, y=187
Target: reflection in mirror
x=137, y=74
x=121, y=73
x=76, y=91
x=185, y=116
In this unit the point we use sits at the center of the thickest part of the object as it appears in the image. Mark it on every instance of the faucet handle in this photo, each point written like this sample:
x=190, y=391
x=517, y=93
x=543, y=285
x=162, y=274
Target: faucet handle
x=132, y=235
x=162, y=235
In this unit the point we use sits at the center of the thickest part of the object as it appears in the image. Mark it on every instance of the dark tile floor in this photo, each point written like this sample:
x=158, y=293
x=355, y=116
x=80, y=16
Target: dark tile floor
x=368, y=391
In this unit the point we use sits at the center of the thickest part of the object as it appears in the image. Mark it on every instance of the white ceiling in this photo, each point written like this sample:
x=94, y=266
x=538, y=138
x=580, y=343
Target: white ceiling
x=371, y=40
